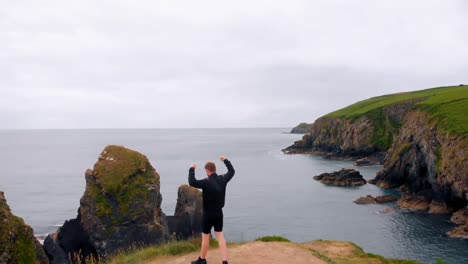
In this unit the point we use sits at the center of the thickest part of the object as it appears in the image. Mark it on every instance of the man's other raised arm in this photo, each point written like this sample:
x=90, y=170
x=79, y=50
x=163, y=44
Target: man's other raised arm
x=228, y=176
x=191, y=178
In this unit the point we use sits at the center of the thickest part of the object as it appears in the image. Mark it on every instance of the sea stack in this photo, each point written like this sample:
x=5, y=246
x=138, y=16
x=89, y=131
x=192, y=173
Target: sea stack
x=343, y=177
x=187, y=219
x=121, y=207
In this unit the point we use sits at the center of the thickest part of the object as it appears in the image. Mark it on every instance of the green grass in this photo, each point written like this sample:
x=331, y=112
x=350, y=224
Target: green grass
x=361, y=254
x=272, y=239
x=148, y=253
x=145, y=254
x=446, y=105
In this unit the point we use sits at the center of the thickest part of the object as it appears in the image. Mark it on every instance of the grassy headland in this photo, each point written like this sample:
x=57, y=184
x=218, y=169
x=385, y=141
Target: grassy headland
x=447, y=105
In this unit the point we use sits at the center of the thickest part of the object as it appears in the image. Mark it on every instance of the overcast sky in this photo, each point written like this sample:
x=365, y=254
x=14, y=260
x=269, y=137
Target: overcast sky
x=157, y=64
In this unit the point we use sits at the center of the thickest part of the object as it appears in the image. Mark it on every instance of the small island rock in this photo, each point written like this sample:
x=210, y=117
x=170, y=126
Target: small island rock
x=343, y=177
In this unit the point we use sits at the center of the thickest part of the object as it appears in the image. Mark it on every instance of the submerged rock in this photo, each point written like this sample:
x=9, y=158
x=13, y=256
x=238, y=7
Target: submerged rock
x=343, y=177
x=17, y=241
x=385, y=199
x=188, y=215
x=120, y=208
x=379, y=199
x=365, y=200
x=366, y=162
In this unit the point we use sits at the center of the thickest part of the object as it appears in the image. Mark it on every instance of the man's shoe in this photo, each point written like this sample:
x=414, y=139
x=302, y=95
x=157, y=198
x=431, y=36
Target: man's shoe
x=200, y=261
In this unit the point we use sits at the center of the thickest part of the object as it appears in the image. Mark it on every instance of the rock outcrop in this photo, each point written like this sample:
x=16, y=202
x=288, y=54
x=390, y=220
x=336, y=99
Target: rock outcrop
x=17, y=241
x=369, y=199
x=302, y=128
x=187, y=219
x=428, y=162
x=343, y=177
x=120, y=208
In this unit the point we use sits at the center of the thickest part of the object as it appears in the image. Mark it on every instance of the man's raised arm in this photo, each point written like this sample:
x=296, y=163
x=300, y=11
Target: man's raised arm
x=228, y=176
x=191, y=178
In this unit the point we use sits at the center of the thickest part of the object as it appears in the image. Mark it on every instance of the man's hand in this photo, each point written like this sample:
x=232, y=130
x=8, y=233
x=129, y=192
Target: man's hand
x=223, y=158
x=193, y=165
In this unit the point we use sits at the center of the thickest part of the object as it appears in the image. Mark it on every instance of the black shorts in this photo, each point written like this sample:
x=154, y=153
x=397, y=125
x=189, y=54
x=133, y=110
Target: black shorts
x=212, y=219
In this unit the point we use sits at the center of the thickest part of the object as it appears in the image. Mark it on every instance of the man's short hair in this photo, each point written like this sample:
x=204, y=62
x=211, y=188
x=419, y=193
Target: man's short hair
x=210, y=166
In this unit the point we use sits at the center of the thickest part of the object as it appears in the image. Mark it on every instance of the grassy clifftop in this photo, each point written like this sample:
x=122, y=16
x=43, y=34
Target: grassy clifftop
x=447, y=105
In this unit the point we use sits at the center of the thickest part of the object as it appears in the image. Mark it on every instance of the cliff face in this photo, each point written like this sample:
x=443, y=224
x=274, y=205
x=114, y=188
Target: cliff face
x=120, y=207
x=17, y=241
x=359, y=136
x=428, y=162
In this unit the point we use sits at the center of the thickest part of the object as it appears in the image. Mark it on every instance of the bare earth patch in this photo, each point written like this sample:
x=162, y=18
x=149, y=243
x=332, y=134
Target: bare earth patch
x=335, y=252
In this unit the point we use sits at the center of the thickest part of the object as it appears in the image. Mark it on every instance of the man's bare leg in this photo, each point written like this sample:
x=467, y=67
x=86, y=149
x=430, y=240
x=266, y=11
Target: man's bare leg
x=222, y=245
x=205, y=245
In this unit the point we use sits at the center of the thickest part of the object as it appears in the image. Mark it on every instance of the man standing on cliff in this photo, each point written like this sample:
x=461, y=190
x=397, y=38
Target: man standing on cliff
x=214, y=193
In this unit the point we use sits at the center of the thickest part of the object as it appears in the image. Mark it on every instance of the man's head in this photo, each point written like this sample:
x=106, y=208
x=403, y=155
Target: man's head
x=210, y=168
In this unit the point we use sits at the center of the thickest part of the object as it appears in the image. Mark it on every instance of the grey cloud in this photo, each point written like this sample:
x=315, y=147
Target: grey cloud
x=217, y=64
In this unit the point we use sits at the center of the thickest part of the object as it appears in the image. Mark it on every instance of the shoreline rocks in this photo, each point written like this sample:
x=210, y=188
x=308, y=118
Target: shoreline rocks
x=414, y=202
x=343, y=177
x=460, y=218
x=17, y=241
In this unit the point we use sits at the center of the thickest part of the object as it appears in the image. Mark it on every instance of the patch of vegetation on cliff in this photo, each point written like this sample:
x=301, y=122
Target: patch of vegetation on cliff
x=124, y=176
x=447, y=105
x=16, y=238
x=272, y=239
x=339, y=252
x=385, y=128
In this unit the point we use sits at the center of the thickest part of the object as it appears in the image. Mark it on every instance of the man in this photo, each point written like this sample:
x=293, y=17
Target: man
x=214, y=192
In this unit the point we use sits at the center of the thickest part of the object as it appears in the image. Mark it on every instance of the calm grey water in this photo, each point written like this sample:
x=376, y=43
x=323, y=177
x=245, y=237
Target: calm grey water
x=42, y=175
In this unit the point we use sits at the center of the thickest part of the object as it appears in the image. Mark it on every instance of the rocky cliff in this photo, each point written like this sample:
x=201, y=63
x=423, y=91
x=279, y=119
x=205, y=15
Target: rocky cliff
x=428, y=161
x=121, y=207
x=420, y=137
x=355, y=136
x=17, y=241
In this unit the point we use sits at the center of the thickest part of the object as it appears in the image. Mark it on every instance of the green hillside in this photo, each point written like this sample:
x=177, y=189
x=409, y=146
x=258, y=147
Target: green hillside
x=447, y=105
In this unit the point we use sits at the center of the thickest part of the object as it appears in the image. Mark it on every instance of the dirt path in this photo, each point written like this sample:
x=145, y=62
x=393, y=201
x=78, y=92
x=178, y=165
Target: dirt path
x=317, y=252
x=253, y=253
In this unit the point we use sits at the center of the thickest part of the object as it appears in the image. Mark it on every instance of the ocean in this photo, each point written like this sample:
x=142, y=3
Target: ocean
x=42, y=175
